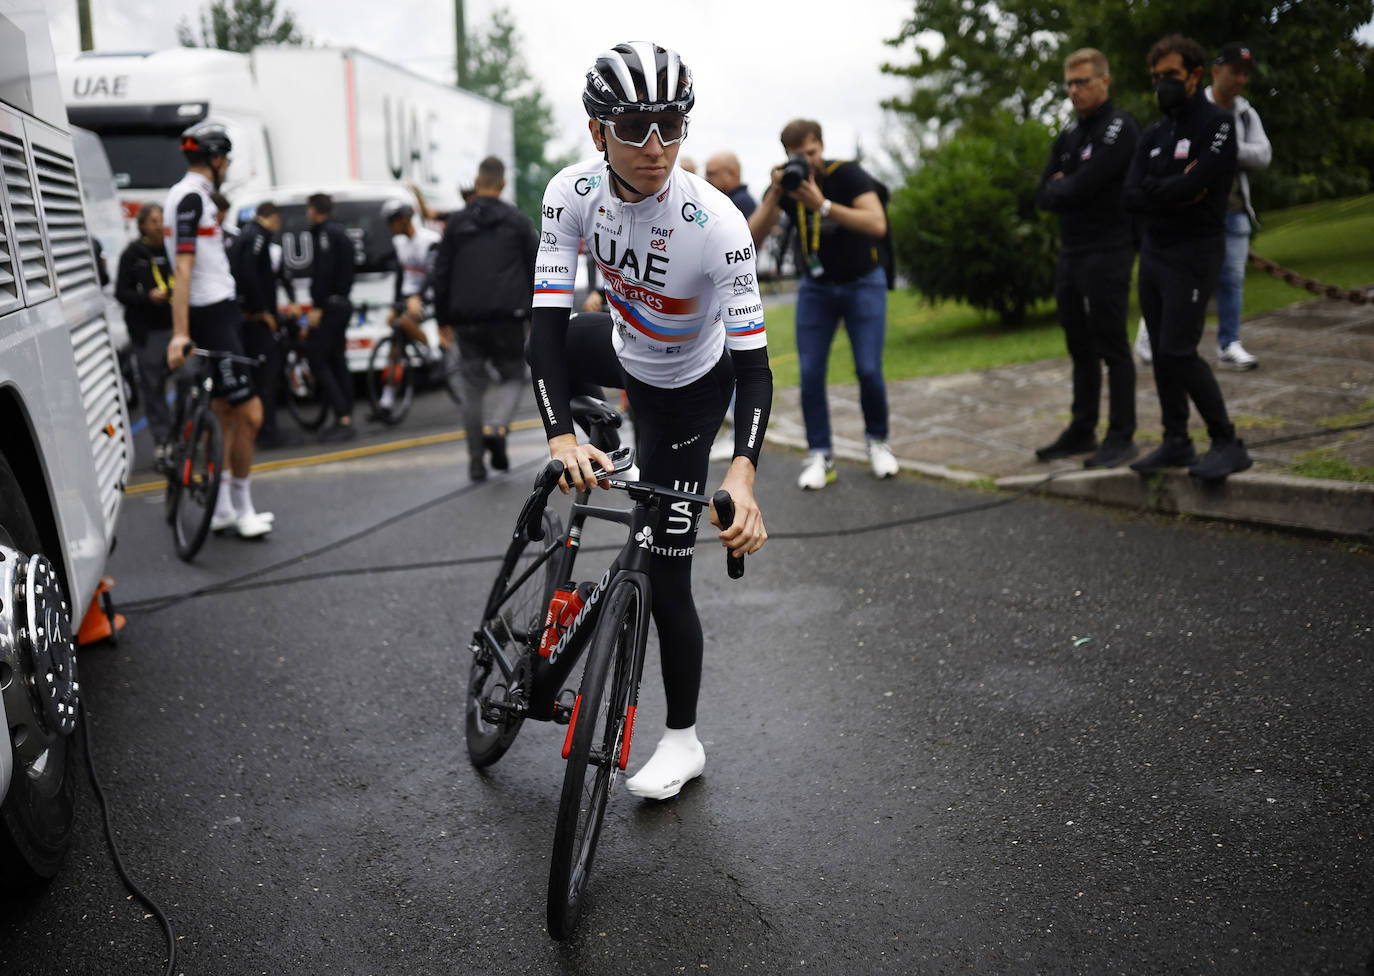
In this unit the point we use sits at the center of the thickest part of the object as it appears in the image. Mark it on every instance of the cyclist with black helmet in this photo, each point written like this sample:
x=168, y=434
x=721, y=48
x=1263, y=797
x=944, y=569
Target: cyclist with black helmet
x=414, y=247
x=684, y=331
x=206, y=313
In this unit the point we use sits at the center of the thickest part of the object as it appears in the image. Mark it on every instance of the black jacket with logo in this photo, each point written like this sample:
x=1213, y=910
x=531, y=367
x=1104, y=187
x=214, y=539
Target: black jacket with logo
x=1181, y=176
x=1094, y=154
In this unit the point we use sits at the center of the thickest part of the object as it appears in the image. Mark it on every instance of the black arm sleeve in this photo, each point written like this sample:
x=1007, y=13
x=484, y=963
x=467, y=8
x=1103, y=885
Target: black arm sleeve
x=753, y=401
x=549, y=370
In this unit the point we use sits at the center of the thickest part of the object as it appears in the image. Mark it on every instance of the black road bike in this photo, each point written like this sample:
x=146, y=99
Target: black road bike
x=194, y=455
x=404, y=364
x=519, y=664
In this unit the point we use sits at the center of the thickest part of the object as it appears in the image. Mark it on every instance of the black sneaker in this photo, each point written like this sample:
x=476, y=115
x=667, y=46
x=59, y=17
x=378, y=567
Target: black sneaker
x=1114, y=451
x=477, y=471
x=1170, y=454
x=1223, y=459
x=496, y=444
x=338, y=432
x=1072, y=441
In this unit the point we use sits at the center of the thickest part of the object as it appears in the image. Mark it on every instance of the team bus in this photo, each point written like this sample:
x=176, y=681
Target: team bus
x=65, y=447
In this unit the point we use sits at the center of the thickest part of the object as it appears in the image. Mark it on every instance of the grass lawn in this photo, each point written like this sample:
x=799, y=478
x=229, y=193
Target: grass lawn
x=1331, y=241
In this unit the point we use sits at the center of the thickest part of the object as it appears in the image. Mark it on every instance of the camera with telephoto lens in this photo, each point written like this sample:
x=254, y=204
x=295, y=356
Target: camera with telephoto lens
x=794, y=171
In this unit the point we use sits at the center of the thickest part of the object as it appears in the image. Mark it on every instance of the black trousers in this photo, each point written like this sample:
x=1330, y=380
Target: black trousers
x=326, y=349
x=260, y=343
x=1176, y=283
x=673, y=433
x=1093, y=290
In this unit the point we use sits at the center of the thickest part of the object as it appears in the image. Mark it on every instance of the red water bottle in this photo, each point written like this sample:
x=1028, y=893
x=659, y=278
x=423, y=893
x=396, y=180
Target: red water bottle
x=554, y=617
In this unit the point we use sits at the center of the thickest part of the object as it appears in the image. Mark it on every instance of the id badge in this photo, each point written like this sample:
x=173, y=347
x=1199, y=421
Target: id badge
x=813, y=265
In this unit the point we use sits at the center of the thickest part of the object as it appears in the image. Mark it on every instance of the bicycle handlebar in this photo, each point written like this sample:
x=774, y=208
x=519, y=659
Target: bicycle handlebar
x=531, y=519
x=191, y=349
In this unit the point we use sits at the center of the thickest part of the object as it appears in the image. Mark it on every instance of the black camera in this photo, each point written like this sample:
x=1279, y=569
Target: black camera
x=795, y=171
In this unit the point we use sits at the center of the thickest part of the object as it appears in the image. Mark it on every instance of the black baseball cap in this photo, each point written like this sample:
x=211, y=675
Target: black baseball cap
x=1235, y=53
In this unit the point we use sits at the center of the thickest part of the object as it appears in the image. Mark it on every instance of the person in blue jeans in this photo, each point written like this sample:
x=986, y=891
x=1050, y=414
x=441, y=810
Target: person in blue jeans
x=837, y=215
x=1230, y=75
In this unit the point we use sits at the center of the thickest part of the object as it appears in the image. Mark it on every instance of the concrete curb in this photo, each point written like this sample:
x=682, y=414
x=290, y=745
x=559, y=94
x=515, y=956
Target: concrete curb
x=1310, y=504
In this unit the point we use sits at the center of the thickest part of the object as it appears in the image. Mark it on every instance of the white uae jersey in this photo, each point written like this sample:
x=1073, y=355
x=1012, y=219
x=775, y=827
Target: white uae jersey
x=678, y=268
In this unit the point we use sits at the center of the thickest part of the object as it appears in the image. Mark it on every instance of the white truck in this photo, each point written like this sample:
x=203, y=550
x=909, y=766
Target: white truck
x=295, y=116
x=65, y=448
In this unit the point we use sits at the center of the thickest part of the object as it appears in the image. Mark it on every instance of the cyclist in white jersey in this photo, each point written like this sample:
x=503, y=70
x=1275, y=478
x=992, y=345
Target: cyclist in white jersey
x=206, y=313
x=684, y=331
x=414, y=247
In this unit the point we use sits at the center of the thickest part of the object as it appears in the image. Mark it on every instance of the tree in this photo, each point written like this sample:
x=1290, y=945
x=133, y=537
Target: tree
x=965, y=225
x=497, y=69
x=241, y=25
x=974, y=57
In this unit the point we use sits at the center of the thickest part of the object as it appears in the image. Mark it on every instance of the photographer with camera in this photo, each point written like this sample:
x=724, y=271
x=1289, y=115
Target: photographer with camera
x=838, y=215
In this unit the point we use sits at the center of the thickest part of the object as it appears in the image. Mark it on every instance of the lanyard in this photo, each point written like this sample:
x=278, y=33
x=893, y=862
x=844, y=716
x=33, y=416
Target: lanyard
x=815, y=229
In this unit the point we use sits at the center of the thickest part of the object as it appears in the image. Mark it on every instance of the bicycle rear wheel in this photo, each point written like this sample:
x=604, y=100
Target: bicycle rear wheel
x=598, y=734
x=301, y=390
x=400, y=376
x=514, y=623
x=199, y=472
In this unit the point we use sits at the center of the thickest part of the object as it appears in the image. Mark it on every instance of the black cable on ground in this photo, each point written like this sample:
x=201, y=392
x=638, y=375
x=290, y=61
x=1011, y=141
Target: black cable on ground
x=114, y=848
x=252, y=581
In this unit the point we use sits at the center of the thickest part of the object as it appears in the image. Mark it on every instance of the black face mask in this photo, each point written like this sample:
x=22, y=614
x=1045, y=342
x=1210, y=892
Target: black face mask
x=1171, y=93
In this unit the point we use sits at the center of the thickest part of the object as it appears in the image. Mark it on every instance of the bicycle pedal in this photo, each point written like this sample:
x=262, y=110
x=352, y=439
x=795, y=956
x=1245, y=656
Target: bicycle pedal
x=563, y=708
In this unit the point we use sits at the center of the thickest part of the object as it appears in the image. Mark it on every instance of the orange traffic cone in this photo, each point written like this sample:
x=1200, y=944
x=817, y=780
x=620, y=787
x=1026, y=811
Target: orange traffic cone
x=101, y=622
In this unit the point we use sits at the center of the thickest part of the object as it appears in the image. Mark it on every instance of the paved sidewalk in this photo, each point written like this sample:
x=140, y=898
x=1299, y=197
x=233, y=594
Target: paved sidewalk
x=1316, y=372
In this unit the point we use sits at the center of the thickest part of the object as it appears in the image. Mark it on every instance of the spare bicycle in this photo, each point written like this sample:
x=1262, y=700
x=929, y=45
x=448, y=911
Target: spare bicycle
x=533, y=631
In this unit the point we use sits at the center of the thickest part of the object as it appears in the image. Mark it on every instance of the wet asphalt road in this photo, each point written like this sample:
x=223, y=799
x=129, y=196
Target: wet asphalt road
x=1037, y=738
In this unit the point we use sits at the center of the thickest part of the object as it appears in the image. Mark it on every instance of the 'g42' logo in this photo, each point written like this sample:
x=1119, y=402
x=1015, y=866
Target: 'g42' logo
x=694, y=214
x=586, y=184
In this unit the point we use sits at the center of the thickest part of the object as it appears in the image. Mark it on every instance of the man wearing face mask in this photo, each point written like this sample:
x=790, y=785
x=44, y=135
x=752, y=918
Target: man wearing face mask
x=1179, y=182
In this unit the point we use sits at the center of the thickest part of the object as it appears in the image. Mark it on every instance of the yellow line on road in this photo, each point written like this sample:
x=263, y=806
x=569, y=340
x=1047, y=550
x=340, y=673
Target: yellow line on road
x=310, y=460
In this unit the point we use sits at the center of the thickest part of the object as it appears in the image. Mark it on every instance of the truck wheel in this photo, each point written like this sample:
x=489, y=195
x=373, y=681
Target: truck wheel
x=38, y=812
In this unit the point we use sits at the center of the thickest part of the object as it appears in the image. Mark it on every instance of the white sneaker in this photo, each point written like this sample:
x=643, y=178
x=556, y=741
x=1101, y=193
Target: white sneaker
x=221, y=522
x=1142, y=343
x=388, y=398
x=880, y=456
x=1234, y=356
x=678, y=758
x=253, y=525
x=817, y=472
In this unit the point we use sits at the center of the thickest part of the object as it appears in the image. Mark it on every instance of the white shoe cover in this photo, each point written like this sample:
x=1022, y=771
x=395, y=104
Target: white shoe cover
x=678, y=758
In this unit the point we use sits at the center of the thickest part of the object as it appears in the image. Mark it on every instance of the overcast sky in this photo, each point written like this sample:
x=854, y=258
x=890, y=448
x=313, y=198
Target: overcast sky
x=755, y=65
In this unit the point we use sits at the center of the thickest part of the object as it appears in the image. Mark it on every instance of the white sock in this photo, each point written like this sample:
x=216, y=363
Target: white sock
x=242, y=495
x=224, y=503
x=388, y=397
x=684, y=737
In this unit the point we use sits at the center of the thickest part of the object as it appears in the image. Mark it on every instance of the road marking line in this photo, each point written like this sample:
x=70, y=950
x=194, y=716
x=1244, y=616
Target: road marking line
x=310, y=460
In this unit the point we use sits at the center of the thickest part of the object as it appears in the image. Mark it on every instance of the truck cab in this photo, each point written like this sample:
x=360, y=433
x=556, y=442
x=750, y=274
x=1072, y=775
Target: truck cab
x=139, y=104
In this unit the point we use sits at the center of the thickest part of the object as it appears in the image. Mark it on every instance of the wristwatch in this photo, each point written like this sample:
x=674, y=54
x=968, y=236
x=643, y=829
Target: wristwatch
x=825, y=209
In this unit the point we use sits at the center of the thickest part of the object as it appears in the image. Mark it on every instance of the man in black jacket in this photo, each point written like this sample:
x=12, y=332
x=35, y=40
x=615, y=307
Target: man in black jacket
x=1179, y=181
x=483, y=287
x=256, y=279
x=143, y=285
x=331, y=279
x=1082, y=184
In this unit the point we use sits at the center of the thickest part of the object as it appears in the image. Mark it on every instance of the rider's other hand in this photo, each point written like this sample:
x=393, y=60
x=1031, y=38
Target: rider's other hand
x=414, y=307
x=746, y=533
x=177, y=350
x=577, y=462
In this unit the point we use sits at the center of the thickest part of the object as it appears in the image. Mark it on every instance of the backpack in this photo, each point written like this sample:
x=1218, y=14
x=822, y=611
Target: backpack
x=883, y=247
x=490, y=276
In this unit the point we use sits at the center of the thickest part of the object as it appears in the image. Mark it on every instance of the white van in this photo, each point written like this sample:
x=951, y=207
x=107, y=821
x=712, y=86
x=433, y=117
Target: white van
x=65, y=449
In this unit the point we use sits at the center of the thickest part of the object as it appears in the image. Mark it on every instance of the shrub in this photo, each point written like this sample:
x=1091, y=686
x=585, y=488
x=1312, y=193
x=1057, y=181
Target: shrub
x=965, y=225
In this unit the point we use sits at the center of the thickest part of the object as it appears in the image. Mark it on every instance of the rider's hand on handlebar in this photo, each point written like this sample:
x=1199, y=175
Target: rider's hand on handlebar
x=577, y=462
x=746, y=533
x=177, y=350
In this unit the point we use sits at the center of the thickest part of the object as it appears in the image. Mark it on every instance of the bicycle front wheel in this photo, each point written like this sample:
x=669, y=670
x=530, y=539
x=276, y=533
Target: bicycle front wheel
x=514, y=618
x=396, y=372
x=199, y=473
x=599, y=731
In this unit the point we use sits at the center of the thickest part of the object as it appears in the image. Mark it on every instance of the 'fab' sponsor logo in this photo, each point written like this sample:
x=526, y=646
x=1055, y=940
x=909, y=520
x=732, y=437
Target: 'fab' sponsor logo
x=743, y=254
x=553, y=213
x=662, y=231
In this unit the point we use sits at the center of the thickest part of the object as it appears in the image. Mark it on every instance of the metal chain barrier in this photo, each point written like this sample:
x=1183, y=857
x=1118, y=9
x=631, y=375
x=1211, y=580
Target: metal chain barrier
x=1359, y=296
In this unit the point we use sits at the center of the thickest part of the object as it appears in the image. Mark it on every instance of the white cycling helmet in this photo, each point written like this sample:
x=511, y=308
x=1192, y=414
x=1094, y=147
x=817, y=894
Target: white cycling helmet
x=638, y=76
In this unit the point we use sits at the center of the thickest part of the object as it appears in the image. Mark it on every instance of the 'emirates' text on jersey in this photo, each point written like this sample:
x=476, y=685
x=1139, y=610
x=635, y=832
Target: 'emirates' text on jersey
x=191, y=229
x=678, y=268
